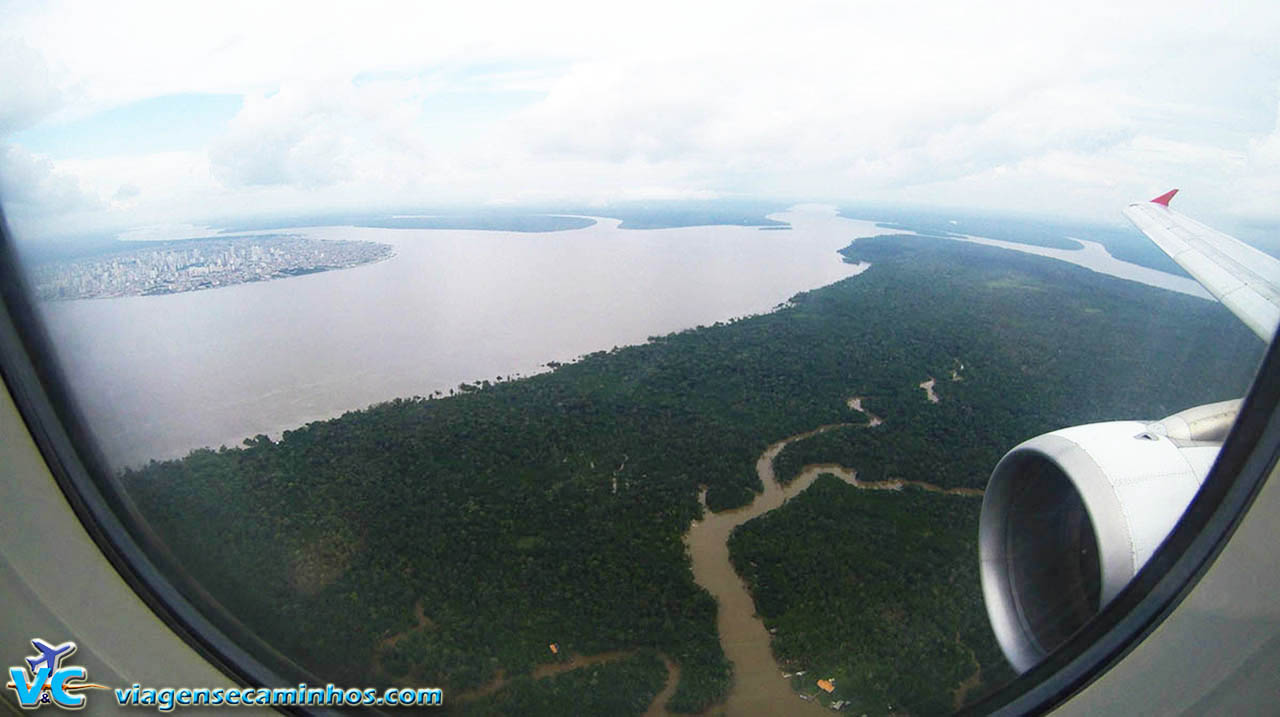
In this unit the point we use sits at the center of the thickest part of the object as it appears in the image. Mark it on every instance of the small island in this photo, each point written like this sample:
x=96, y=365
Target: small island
x=171, y=267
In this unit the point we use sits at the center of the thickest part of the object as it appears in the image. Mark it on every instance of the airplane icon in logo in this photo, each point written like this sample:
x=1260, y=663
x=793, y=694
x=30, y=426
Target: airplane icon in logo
x=50, y=656
x=49, y=681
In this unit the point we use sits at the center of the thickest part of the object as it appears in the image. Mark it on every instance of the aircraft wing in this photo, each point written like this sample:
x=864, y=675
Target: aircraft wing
x=1244, y=279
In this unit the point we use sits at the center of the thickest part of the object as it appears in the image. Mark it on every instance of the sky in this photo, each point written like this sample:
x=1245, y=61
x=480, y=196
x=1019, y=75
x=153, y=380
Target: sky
x=158, y=119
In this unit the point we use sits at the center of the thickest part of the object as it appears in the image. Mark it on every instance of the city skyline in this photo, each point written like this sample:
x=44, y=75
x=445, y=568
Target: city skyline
x=195, y=264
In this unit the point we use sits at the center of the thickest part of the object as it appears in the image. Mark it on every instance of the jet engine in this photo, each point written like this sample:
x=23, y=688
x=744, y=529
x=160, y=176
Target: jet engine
x=1069, y=517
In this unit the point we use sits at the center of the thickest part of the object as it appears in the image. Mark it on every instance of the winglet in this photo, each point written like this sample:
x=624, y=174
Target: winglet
x=1163, y=199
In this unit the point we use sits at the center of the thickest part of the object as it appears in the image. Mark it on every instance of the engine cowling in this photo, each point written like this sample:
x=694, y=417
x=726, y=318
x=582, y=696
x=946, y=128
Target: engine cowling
x=1069, y=517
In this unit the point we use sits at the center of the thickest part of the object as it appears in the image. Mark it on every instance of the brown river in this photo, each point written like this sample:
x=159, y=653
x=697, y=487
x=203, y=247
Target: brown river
x=758, y=685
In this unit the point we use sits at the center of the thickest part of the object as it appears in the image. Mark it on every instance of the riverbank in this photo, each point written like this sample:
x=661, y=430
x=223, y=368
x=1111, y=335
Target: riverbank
x=746, y=642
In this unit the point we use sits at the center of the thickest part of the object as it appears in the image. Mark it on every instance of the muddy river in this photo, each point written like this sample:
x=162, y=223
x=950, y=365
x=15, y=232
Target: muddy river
x=758, y=684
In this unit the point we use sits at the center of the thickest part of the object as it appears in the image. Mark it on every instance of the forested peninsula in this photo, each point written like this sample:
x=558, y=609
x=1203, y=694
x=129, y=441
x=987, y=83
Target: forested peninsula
x=453, y=541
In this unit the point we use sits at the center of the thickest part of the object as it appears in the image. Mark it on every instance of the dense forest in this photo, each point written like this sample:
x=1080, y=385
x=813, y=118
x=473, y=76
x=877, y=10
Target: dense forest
x=876, y=591
x=1124, y=243
x=550, y=509
x=618, y=688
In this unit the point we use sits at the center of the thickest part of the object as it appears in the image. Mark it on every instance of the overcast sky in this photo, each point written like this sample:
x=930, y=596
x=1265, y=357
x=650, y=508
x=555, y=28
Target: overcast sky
x=156, y=117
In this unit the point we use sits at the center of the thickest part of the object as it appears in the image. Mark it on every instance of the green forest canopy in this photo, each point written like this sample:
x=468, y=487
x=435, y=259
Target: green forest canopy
x=496, y=510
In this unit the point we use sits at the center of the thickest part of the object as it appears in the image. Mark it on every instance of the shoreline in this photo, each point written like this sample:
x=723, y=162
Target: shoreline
x=129, y=446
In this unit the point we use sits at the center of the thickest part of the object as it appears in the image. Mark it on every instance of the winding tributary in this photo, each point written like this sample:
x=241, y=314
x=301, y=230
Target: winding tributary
x=758, y=684
x=758, y=687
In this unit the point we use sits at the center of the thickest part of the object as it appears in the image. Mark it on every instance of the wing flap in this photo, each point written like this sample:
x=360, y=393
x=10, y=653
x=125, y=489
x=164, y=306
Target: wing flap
x=1244, y=279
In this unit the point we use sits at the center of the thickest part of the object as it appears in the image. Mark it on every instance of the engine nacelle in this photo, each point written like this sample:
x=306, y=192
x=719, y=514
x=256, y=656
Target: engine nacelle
x=1069, y=517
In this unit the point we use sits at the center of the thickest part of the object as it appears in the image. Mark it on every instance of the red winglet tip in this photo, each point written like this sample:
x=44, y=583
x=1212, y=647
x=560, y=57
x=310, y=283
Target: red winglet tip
x=1163, y=199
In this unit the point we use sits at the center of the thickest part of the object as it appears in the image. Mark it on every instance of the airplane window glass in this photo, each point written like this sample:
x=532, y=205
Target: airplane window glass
x=660, y=359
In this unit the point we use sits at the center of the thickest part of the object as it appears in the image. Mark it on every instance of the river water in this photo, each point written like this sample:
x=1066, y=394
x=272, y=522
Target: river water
x=157, y=376
x=160, y=375
x=759, y=686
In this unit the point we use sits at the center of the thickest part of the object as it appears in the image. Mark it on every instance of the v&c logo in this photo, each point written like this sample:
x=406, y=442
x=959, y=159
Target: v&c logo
x=48, y=680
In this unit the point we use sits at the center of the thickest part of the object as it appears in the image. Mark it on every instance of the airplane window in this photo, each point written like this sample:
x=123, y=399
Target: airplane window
x=648, y=360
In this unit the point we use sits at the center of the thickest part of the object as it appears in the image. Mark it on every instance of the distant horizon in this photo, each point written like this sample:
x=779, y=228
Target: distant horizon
x=719, y=212
x=332, y=217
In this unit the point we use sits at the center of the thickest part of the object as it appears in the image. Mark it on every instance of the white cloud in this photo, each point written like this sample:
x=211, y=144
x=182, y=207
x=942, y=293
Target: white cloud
x=28, y=91
x=1072, y=108
x=33, y=185
x=1256, y=193
x=290, y=138
x=126, y=192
